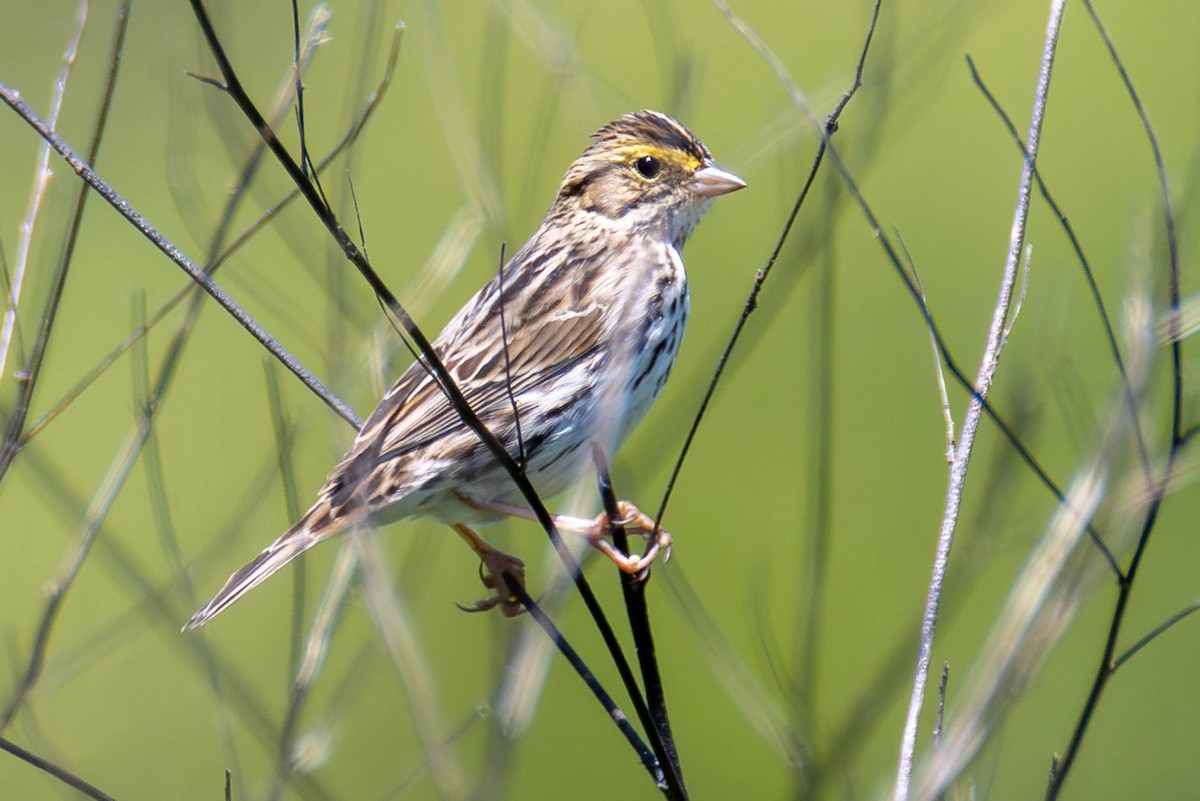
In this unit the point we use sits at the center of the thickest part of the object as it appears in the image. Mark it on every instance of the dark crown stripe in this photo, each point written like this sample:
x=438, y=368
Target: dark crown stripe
x=654, y=127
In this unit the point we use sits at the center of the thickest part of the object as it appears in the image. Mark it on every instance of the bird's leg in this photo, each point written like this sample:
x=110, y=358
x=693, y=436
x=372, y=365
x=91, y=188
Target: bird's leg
x=595, y=530
x=493, y=563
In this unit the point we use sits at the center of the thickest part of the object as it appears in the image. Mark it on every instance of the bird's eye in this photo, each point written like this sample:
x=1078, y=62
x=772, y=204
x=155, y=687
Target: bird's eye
x=647, y=167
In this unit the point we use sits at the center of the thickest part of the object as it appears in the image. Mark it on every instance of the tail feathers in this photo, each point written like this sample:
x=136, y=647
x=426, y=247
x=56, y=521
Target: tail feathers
x=315, y=526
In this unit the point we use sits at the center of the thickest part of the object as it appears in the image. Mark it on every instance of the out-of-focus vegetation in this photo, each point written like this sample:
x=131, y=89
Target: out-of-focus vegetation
x=806, y=516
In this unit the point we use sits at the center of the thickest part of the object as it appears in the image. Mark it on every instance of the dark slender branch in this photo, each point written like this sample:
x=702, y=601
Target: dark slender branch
x=306, y=163
x=1104, y=670
x=62, y=774
x=760, y=277
x=1107, y=662
x=1097, y=299
x=1188, y=433
x=1160, y=169
x=936, y=734
x=12, y=99
x=581, y=669
x=634, y=591
x=512, y=399
x=1154, y=633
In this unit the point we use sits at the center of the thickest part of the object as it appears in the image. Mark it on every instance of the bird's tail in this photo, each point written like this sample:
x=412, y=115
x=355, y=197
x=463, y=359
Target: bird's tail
x=316, y=525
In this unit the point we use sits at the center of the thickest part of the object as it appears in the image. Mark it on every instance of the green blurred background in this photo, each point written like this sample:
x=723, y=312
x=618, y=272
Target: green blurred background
x=786, y=633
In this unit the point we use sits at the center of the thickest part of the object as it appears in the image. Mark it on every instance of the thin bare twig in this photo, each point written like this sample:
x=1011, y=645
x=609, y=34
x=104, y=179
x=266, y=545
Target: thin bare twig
x=41, y=184
x=1105, y=668
x=634, y=591
x=966, y=439
x=216, y=261
x=12, y=98
x=943, y=395
x=760, y=277
x=1084, y=264
x=1154, y=633
x=572, y=656
x=62, y=774
x=33, y=366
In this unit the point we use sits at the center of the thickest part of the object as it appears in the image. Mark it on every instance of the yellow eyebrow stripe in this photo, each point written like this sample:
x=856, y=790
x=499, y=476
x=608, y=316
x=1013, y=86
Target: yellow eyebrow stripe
x=666, y=155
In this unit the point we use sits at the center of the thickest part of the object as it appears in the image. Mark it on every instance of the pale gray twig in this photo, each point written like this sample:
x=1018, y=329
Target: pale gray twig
x=1037, y=612
x=12, y=98
x=947, y=412
x=41, y=184
x=966, y=439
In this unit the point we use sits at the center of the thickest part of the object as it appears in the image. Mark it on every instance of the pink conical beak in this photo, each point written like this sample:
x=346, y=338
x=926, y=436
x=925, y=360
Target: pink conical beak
x=711, y=181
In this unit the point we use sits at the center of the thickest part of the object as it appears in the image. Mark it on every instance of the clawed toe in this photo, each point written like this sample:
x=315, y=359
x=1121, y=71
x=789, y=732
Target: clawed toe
x=509, y=607
x=636, y=523
x=492, y=568
x=493, y=565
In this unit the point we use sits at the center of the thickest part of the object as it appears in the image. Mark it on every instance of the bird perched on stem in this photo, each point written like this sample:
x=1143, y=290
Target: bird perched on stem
x=562, y=352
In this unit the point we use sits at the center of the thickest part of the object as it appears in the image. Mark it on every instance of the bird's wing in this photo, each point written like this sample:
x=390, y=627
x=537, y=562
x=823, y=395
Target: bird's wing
x=415, y=427
x=415, y=422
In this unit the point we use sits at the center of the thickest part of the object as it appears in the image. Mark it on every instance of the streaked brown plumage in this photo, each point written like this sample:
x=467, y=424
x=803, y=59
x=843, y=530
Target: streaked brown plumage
x=594, y=307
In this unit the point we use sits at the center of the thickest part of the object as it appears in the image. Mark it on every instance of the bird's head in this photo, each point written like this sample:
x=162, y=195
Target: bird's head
x=649, y=171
